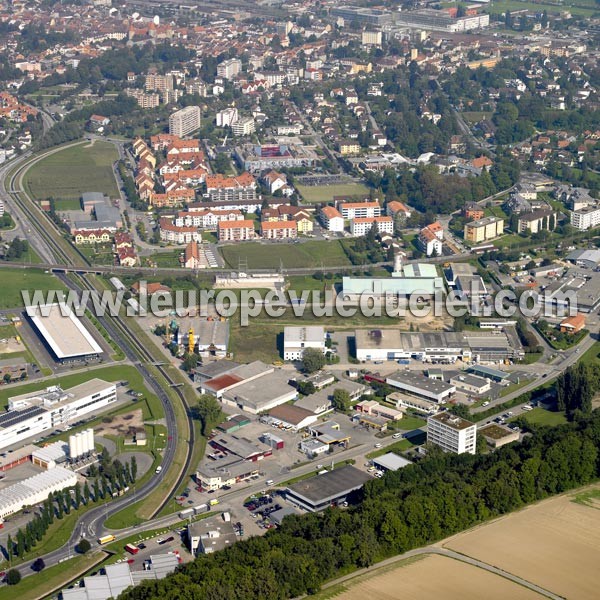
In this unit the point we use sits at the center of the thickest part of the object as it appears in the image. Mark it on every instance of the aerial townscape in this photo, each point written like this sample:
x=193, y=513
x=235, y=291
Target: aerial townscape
x=299, y=299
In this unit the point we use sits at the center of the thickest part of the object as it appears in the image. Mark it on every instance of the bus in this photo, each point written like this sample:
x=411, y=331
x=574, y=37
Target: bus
x=131, y=549
x=106, y=539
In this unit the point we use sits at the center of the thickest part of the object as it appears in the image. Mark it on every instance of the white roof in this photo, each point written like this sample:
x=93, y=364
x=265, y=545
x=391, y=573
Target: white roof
x=391, y=461
x=62, y=330
x=54, y=452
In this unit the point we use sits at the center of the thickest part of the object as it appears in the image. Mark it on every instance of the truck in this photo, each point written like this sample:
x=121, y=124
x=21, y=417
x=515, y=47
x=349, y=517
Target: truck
x=131, y=549
x=201, y=508
x=106, y=539
x=184, y=514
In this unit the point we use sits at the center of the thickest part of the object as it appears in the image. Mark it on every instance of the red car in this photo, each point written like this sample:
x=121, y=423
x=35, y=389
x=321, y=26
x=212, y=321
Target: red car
x=131, y=561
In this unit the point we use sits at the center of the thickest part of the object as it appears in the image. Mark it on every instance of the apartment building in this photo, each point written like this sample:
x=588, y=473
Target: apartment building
x=228, y=69
x=586, y=218
x=244, y=126
x=359, y=210
x=178, y=235
x=278, y=230
x=227, y=117
x=144, y=100
x=158, y=83
x=240, y=187
x=536, y=221
x=362, y=225
x=185, y=121
x=484, y=229
x=451, y=433
x=332, y=219
x=235, y=231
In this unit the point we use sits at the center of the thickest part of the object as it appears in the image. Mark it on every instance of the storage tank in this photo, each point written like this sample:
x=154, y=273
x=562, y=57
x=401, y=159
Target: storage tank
x=90, y=440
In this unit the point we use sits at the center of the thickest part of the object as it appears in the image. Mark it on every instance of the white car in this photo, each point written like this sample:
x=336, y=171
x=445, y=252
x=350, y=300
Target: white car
x=377, y=445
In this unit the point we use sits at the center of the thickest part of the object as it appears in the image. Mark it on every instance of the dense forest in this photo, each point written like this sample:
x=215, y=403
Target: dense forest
x=424, y=502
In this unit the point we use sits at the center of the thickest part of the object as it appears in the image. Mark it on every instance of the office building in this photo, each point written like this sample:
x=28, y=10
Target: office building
x=243, y=126
x=185, y=121
x=451, y=433
x=297, y=339
x=362, y=16
x=419, y=385
x=440, y=20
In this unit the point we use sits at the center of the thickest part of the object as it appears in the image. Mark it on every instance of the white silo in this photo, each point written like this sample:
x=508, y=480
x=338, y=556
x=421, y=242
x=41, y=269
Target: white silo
x=90, y=440
x=72, y=448
x=78, y=444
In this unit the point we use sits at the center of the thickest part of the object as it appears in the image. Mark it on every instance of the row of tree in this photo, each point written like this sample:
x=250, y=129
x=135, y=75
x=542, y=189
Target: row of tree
x=575, y=389
x=418, y=505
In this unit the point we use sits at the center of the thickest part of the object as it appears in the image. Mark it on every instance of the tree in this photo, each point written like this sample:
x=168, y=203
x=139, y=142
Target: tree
x=13, y=577
x=208, y=411
x=306, y=388
x=341, y=400
x=190, y=362
x=133, y=469
x=83, y=546
x=38, y=565
x=221, y=164
x=10, y=548
x=461, y=410
x=77, y=495
x=313, y=360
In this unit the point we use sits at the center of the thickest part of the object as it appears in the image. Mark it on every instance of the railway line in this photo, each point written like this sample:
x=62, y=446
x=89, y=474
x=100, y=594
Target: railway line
x=117, y=328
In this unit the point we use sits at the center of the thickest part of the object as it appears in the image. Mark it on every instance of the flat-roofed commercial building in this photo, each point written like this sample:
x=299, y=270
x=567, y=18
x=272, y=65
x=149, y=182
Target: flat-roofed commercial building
x=31, y=414
x=419, y=385
x=331, y=488
x=498, y=435
x=471, y=384
x=63, y=332
x=297, y=339
x=451, y=433
x=420, y=405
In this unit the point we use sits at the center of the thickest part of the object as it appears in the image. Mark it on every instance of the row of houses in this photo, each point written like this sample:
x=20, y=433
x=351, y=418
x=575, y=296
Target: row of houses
x=123, y=246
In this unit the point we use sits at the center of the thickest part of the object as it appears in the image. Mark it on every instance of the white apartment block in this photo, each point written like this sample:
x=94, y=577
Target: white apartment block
x=227, y=117
x=235, y=231
x=451, y=433
x=586, y=218
x=229, y=68
x=362, y=226
x=332, y=219
x=243, y=126
x=356, y=210
x=185, y=121
x=297, y=339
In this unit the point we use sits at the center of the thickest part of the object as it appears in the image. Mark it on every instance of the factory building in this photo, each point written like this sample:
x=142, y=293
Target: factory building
x=32, y=414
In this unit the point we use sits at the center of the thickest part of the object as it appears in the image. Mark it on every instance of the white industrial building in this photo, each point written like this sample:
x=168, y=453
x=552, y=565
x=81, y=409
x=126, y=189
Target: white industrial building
x=31, y=414
x=63, y=332
x=419, y=385
x=34, y=490
x=297, y=339
x=452, y=433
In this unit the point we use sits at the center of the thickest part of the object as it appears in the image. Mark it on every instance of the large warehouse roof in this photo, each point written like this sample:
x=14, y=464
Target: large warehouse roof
x=63, y=331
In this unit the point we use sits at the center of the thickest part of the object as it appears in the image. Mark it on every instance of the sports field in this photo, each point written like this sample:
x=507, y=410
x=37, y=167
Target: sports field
x=65, y=175
x=554, y=544
x=325, y=193
x=435, y=577
x=272, y=256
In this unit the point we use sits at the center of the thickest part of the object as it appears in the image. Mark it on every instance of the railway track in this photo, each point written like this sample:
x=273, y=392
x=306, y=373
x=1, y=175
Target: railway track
x=115, y=326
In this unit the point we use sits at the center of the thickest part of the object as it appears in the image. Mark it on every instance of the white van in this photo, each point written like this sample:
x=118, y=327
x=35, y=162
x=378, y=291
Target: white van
x=396, y=436
x=158, y=469
x=269, y=482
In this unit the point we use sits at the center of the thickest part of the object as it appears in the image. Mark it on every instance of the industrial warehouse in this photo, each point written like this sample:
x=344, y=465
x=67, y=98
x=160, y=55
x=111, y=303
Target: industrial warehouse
x=31, y=414
x=63, y=332
x=448, y=347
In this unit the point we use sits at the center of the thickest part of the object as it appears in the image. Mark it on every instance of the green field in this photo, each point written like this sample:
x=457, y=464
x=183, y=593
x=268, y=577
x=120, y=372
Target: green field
x=540, y=416
x=574, y=6
x=15, y=280
x=272, y=256
x=65, y=175
x=325, y=193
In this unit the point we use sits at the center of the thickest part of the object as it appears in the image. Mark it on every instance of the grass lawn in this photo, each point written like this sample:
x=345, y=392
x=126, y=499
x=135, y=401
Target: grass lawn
x=476, y=116
x=325, y=193
x=165, y=259
x=540, y=416
x=15, y=280
x=67, y=204
x=272, y=256
x=400, y=446
x=65, y=175
x=100, y=254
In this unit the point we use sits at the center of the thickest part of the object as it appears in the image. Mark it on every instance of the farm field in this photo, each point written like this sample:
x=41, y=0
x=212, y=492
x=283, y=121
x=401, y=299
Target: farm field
x=576, y=7
x=325, y=193
x=433, y=577
x=65, y=175
x=15, y=280
x=272, y=256
x=554, y=544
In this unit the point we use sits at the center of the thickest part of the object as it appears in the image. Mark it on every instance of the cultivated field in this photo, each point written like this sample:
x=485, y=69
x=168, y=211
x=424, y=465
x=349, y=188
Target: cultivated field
x=434, y=577
x=325, y=193
x=65, y=175
x=272, y=256
x=554, y=544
